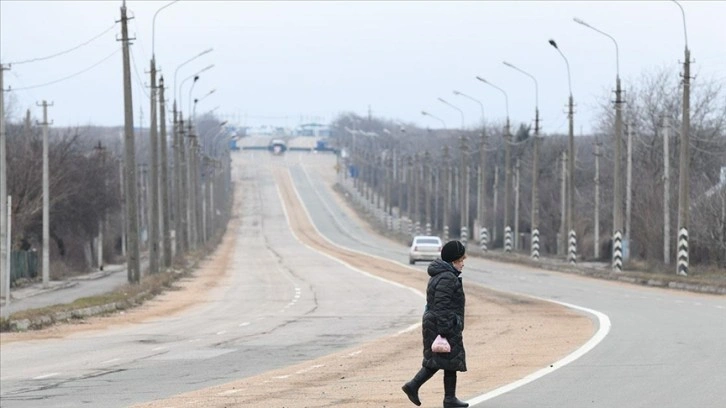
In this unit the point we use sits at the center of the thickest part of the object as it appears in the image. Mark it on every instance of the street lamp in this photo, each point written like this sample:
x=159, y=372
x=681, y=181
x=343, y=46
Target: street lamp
x=464, y=180
x=481, y=174
x=461, y=112
x=435, y=117
x=569, y=208
x=684, y=167
x=157, y=186
x=534, y=250
x=617, y=254
x=507, y=169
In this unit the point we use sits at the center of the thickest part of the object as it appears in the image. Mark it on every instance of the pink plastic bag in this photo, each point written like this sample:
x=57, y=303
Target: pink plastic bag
x=440, y=345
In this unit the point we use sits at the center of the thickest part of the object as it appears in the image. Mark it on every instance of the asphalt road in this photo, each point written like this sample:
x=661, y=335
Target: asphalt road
x=664, y=349
x=283, y=303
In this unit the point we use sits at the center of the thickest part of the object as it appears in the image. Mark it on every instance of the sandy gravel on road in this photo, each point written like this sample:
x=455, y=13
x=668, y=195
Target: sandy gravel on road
x=506, y=338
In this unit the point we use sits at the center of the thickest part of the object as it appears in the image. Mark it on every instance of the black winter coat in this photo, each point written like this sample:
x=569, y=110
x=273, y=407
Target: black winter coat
x=444, y=315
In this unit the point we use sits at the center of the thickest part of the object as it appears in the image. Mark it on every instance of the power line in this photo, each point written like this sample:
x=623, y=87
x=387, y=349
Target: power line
x=64, y=52
x=69, y=76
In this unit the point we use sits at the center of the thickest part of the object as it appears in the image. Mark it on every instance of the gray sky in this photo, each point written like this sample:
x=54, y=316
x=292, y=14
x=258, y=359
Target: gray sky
x=283, y=63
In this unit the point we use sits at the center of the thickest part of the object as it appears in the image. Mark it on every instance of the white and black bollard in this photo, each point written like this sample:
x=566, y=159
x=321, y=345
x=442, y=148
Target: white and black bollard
x=464, y=235
x=618, y=252
x=683, y=252
x=535, y=243
x=484, y=239
x=572, y=251
x=508, y=239
x=446, y=233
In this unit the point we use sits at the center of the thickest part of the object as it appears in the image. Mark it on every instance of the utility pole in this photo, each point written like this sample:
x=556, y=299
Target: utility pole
x=427, y=189
x=617, y=255
x=447, y=193
x=154, y=187
x=535, y=191
x=572, y=248
x=666, y=192
x=101, y=151
x=496, y=199
x=4, y=238
x=484, y=234
x=684, y=162
x=516, y=206
x=629, y=185
x=596, y=238
x=563, y=209
x=133, y=262
x=464, y=205
x=507, y=175
x=46, y=199
x=164, y=185
x=415, y=170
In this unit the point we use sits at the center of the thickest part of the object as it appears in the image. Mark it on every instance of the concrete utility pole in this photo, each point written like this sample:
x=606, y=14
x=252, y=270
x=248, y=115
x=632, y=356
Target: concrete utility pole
x=463, y=194
x=570, y=239
x=427, y=189
x=617, y=255
x=481, y=175
x=563, y=209
x=666, y=192
x=4, y=238
x=535, y=167
x=414, y=165
x=46, y=199
x=101, y=151
x=684, y=162
x=629, y=184
x=133, y=262
x=164, y=185
x=447, y=193
x=495, y=198
x=154, y=186
x=596, y=238
x=507, y=160
x=484, y=233
x=516, y=206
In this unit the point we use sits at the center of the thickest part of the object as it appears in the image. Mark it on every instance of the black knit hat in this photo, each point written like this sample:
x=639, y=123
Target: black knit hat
x=452, y=251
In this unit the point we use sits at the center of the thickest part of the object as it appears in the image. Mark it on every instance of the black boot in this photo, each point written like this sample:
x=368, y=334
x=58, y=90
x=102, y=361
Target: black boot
x=450, y=400
x=411, y=387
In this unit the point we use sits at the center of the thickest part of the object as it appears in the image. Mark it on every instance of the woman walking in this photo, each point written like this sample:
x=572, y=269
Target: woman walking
x=444, y=315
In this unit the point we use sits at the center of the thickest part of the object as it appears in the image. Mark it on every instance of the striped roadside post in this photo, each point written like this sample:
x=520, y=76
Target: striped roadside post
x=535, y=243
x=683, y=252
x=572, y=257
x=428, y=228
x=464, y=235
x=508, y=239
x=484, y=239
x=618, y=252
x=446, y=233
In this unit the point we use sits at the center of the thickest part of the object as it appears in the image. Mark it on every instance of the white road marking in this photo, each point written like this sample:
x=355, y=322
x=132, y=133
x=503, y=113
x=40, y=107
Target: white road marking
x=281, y=377
x=602, y=331
x=42, y=377
x=158, y=348
x=244, y=324
x=110, y=361
x=219, y=333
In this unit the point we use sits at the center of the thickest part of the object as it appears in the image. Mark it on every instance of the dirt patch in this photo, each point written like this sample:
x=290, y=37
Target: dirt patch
x=506, y=338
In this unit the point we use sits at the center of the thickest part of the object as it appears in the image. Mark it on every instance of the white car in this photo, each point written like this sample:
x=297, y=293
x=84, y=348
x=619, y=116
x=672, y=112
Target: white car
x=424, y=248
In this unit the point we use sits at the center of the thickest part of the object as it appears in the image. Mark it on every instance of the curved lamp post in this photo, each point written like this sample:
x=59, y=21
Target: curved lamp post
x=617, y=254
x=534, y=250
x=507, y=168
x=481, y=175
x=463, y=190
x=435, y=117
x=569, y=229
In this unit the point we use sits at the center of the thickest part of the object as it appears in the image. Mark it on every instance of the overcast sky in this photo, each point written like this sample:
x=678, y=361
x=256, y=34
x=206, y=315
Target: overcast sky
x=283, y=63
